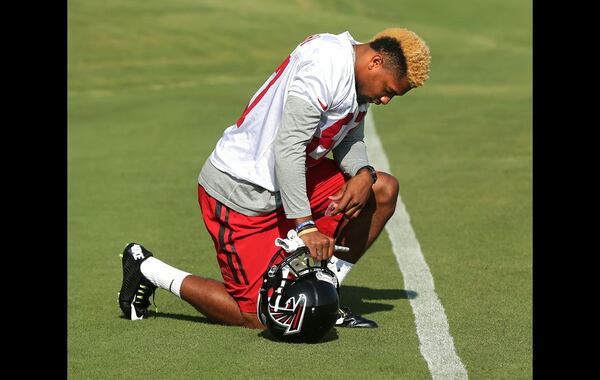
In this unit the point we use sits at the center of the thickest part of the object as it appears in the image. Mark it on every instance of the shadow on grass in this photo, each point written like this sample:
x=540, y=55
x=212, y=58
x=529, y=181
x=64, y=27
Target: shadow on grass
x=330, y=336
x=354, y=297
x=181, y=317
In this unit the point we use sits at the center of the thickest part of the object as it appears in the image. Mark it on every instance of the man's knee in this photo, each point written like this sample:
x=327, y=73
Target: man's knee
x=251, y=321
x=386, y=190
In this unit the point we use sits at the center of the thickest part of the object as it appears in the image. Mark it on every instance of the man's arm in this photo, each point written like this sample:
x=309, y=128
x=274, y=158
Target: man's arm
x=298, y=125
x=351, y=156
x=351, y=153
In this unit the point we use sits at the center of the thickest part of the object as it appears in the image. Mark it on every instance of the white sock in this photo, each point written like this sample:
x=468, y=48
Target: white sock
x=163, y=275
x=339, y=267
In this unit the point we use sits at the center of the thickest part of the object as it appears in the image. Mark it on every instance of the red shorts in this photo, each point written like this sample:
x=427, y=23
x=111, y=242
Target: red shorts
x=245, y=244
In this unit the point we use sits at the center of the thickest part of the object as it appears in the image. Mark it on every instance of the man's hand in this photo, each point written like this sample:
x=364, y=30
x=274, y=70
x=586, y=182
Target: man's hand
x=353, y=196
x=320, y=246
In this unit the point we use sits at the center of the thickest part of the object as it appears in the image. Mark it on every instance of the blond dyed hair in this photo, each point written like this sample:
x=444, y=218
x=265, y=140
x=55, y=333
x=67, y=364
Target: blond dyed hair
x=415, y=52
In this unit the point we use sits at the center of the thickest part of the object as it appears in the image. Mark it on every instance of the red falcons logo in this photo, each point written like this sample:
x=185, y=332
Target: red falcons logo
x=290, y=316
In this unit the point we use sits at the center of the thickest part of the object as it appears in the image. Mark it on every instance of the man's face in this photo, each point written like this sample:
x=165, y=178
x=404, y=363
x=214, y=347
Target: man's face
x=376, y=84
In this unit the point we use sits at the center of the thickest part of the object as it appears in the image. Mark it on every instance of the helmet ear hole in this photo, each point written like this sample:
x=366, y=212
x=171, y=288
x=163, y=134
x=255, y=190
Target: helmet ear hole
x=304, y=302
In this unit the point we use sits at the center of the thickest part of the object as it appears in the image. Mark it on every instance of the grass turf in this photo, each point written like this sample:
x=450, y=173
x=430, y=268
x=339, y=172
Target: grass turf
x=151, y=87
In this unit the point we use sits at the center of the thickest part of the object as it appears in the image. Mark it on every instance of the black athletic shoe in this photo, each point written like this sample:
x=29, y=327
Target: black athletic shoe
x=134, y=297
x=347, y=319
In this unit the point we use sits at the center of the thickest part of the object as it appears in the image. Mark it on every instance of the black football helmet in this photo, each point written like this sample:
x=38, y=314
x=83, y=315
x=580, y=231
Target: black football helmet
x=299, y=299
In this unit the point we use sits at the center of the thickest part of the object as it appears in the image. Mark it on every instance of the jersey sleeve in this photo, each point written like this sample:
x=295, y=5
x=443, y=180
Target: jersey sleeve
x=298, y=125
x=351, y=153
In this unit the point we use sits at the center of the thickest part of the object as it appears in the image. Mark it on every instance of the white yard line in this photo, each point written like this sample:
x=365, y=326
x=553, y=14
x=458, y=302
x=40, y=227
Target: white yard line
x=436, y=343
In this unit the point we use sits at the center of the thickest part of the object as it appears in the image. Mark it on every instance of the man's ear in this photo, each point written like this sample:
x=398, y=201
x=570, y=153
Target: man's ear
x=376, y=61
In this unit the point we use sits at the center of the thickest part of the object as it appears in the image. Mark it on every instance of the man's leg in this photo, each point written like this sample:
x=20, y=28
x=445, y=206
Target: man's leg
x=359, y=234
x=143, y=273
x=208, y=296
x=211, y=298
x=244, y=246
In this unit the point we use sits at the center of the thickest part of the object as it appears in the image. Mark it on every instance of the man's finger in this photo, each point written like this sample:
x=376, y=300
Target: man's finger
x=321, y=251
x=341, y=206
x=331, y=249
x=331, y=209
x=337, y=196
x=353, y=214
x=353, y=211
x=313, y=251
x=339, y=193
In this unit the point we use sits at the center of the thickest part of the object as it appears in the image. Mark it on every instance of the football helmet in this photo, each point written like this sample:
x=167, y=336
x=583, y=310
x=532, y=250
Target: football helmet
x=299, y=298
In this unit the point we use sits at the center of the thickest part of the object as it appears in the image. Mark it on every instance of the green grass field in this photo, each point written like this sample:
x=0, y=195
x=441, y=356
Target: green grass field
x=152, y=85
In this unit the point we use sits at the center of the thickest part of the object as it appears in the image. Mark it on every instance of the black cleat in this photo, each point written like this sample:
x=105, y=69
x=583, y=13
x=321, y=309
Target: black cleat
x=134, y=297
x=347, y=319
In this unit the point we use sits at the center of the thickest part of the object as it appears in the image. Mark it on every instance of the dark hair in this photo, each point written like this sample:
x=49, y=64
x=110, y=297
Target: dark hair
x=392, y=54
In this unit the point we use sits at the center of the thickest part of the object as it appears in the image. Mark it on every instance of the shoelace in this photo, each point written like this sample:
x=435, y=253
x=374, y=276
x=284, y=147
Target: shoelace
x=142, y=289
x=154, y=303
x=344, y=313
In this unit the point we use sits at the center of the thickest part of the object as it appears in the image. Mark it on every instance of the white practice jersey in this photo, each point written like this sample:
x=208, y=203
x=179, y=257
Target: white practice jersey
x=321, y=71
